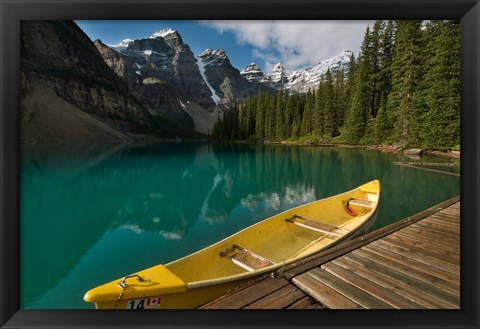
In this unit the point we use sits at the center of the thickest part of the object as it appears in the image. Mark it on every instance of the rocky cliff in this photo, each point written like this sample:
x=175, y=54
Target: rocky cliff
x=229, y=85
x=162, y=72
x=60, y=60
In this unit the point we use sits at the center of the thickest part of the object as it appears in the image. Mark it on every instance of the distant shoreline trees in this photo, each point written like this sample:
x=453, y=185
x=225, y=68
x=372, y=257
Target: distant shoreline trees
x=403, y=89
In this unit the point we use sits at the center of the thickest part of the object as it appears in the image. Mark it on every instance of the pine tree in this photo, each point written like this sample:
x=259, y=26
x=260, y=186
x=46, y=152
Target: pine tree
x=242, y=124
x=442, y=124
x=329, y=108
x=289, y=102
x=382, y=123
x=297, y=121
x=270, y=117
x=279, y=117
x=306, y=126
x=373, y=59
x=360, y=96
x=318, y=115
x=356, y=119
x=248, y=127
x=260, y=118
x=340, y=104
x=406, y=68
x=386, y=58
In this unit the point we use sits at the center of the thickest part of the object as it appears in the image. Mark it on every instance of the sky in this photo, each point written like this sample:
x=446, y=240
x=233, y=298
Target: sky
x=295, y=44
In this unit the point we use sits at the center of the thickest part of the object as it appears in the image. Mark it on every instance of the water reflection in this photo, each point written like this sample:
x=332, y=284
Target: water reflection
x=89, y=216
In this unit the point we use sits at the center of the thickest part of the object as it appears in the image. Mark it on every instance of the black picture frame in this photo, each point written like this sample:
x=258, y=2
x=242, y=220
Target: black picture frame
x=13, y=11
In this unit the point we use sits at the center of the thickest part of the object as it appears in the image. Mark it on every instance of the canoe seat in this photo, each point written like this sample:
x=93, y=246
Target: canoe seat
x=246, y=258
x=361, y=203
x=315, y=225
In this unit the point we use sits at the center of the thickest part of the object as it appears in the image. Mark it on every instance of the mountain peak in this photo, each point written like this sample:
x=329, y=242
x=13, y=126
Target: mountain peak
x=278, y=67
x=122, y=45
x=212, y=53
x=215, y=57
x=252, y=72
x=251, y=68
x=303, y=80
x=162, y=33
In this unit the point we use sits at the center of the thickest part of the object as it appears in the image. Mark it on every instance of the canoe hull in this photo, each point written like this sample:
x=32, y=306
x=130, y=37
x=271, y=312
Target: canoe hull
x=189, y=299
x=281, y=239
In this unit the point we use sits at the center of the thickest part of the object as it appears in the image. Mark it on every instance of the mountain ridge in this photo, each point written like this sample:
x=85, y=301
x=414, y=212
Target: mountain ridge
x=169, y=79
x=301, y=80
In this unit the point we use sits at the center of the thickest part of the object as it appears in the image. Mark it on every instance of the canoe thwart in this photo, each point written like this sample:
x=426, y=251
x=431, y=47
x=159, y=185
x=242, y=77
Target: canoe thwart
x=246, y=258
x=360, y=203
x=315, y=225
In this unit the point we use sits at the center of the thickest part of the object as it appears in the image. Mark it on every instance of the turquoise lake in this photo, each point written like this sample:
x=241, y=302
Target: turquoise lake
x=92, y=215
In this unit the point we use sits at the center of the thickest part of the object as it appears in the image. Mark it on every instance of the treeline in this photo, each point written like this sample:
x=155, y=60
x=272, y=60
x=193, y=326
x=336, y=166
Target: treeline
x=403, y=89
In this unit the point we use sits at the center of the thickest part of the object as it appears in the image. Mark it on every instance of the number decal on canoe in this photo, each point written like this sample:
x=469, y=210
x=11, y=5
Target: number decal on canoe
x=144, y=303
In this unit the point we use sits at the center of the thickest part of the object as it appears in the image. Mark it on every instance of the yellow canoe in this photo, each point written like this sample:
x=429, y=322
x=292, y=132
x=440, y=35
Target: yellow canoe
x=258, y=249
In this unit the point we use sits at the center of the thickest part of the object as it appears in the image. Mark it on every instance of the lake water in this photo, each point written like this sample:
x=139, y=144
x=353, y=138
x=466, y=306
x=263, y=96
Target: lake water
x=92, y=215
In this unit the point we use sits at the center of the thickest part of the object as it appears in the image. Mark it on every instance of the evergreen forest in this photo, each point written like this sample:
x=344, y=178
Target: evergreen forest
x=402, y=89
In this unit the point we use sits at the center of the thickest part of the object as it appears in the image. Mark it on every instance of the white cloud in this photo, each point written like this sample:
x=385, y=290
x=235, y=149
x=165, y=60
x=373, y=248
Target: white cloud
x=295, y=44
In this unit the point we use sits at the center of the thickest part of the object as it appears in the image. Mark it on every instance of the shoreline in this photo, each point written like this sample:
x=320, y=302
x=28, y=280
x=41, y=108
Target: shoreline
x=382, y=148
x=137, y=140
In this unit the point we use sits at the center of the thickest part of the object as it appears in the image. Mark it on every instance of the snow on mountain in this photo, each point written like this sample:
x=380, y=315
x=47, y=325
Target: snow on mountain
x=252, y=73
x=201, y=66
x=309, y=78
x=277, y=77
x=162, y=33
x=251, y=68
x=122, y=45
x=297, y=80
x=213, y=57
x=334, y=64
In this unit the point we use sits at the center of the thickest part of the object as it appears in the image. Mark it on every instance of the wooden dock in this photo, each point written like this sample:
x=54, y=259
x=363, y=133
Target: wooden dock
x=410, y=264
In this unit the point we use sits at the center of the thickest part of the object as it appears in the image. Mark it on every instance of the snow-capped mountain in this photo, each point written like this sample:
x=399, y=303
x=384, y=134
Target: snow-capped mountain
x=162, y=72
x=297, y=80
x=162, y=33
x=309, y=78
x=277, y=78
x=252, y=73
x=122, y=45
x=165, y=75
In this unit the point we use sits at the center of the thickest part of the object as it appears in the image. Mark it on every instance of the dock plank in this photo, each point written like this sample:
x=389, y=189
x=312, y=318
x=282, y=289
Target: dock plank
x=396, y=287
x=442, y=221
x=449, y=218
x=325, y=295
x=433, y=226
x=449, y=239
x=434, y=239
x=347, y=273
x=306, y=303
x=440, y=255
x=421, y=242
x=450, y=211
x=450, y=278
x=281, y=298
x=357, y=295
x=418, y=256
x=244, y=297
x=442, y=298
x=414, y=273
